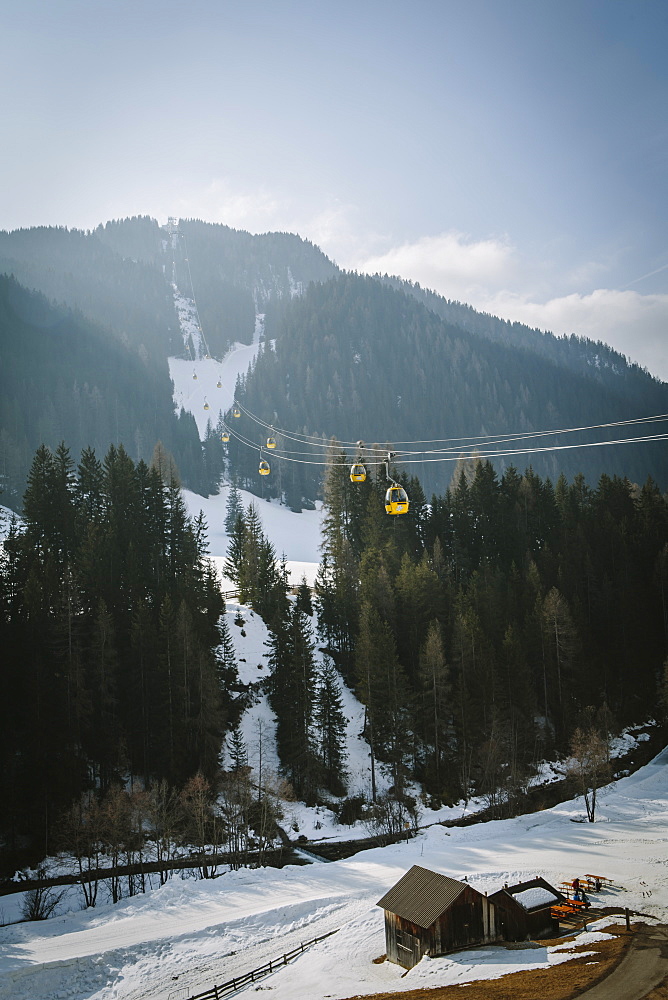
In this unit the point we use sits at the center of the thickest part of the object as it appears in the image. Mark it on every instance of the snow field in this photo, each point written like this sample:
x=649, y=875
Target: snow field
x=191, y=393
x=187, y=928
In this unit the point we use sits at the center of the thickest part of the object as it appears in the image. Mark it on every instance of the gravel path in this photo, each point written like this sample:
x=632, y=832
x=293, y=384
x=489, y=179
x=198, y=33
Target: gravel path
x=644, y=966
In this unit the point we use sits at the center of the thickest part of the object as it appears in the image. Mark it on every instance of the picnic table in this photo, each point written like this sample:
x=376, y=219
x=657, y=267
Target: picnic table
x=571, y=908
x=592, y=883
x=573, y=885
x=596, y=882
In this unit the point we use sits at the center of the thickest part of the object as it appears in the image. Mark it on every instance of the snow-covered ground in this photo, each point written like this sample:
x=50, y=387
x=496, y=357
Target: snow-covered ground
x=184, y=937
x=296, y=535
x=192, y=393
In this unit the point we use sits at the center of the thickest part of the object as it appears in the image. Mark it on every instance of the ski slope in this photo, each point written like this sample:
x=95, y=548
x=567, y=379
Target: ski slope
x=295, y=535
x=191, y=393
x=188, y=935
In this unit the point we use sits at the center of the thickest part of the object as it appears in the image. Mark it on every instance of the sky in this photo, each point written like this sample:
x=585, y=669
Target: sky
x=511, y=154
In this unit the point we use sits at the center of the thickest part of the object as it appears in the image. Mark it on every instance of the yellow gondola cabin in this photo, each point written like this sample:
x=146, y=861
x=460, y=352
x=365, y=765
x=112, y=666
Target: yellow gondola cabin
x=396, y=500
x=264, y=469
x=357, y=473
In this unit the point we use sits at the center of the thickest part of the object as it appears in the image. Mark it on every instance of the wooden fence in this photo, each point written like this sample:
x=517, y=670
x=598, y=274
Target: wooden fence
x=232, y=985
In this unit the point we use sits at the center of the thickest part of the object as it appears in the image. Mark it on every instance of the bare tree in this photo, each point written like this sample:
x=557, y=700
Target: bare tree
x=203, y=825
x=81, y=833
x=589, y=764
x=390, y=817
x=39, y=904
x=165, y=815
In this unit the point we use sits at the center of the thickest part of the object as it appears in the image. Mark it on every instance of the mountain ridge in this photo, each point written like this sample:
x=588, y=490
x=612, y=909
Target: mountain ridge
x=497, y=376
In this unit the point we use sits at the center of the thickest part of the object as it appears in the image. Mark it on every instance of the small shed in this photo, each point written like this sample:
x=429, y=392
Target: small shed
x=524, y=910
x=430, y=914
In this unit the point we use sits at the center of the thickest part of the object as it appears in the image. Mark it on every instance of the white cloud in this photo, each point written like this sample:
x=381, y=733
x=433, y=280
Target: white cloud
x=256, y=210
x=634, y=324
x=487, y=273
x=450, y=263
x=334, y=228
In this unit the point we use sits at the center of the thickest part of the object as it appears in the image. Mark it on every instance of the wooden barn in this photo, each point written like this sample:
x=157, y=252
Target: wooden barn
x=431, y=914
x=523, y=910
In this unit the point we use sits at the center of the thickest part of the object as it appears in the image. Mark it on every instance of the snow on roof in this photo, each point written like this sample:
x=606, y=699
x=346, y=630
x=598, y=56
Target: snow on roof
x=532, y=899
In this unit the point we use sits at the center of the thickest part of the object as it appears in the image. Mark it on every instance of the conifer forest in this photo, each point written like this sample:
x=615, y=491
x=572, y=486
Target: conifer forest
x=479, y=631
x=511, y=610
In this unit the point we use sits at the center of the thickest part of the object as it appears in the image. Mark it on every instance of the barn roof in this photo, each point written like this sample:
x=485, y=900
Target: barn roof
x=421, y=896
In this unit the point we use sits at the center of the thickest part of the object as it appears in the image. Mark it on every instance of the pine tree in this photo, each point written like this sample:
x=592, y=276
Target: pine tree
x=304, y=602
x=382, y=686
x=237, y=750
x=330, y=723
x=437, y=710
x=233, y=508
x=561, y=644
x=292, y=698
x=233, y=567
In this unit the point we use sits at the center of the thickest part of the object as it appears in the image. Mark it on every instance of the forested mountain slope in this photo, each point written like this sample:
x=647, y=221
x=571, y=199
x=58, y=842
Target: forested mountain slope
x=129, y=296
x=355, y=359
x=90, y=366
x=234, y=274
x=64, y=377
x=593, y=359
x=119, y=274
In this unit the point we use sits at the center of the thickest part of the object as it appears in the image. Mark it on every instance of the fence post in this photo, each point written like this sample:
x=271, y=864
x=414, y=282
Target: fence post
x=628, y=919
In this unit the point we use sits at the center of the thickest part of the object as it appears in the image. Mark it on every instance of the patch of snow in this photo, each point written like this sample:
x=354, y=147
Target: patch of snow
x=537, y=896
x=296, y=535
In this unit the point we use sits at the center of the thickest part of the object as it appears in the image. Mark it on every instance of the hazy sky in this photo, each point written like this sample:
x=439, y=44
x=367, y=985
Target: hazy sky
x=508, y=153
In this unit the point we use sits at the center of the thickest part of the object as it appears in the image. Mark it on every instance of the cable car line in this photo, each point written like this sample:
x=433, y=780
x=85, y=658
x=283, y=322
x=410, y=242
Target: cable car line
x=192, y=293
x=453, y=444
x=466, y=453
x=478, y=447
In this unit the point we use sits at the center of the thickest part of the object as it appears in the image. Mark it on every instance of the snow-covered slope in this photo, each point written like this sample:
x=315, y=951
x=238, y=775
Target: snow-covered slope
x=296, y=535
x=192, y=393
x=182, y=938
x=258, y=729
x=186, y=936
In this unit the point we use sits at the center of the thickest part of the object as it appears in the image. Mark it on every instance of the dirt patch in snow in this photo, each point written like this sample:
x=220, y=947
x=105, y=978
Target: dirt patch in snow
x=561, y=982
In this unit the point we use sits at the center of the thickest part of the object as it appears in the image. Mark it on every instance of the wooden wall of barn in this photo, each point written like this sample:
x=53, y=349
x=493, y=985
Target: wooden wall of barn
x=470, y=920
x=514, y=923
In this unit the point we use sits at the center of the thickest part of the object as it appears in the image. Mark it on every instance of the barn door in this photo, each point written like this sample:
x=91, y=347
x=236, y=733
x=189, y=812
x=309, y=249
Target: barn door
x=408, y=948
